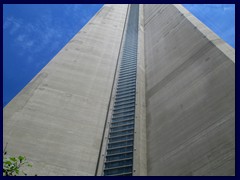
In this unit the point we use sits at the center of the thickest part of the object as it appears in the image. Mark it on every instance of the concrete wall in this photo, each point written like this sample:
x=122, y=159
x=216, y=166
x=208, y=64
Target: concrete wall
x=139, y=161
x=57, y=120
x=140, y=145
x=190, y=95
x=100, y=167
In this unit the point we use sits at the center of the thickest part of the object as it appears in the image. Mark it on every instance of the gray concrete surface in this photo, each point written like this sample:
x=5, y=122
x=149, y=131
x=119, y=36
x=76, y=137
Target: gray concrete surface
x=100, y=167
x=57, y=120
x=190, y=95
x=140, y=152
x=140, y=145
x=185, y=102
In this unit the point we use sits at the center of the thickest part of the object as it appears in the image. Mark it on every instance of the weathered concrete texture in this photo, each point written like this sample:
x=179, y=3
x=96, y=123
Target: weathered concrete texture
x=140, y=145
x=57, y=120
x=100, y=167
x=190, y=94
x=140, y=154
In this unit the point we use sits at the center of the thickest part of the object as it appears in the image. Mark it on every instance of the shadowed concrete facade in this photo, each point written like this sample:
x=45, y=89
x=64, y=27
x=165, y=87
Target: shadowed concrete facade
x=190, y=95
x=185, y=99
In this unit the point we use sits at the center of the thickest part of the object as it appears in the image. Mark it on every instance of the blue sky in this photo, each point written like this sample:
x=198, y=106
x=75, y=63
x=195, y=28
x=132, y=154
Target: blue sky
x=220, y=18
x=34, y=34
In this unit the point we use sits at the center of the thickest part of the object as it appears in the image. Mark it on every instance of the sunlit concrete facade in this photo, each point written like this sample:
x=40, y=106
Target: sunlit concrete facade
x=57, y=120
x=185, y=99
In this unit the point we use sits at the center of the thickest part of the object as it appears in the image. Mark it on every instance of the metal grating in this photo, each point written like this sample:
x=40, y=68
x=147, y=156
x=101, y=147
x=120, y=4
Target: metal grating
x=119, y=153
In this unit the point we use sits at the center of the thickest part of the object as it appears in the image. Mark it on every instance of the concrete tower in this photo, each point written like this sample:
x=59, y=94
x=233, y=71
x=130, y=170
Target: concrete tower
x=140, y=90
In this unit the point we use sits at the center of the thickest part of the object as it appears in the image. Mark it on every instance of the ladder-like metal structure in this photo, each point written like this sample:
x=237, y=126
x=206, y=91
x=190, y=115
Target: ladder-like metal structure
x=119, y=152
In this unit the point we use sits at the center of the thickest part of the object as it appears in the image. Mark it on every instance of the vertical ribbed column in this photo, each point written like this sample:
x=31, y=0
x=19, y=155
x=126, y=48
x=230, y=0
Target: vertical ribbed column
x=119, y=152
